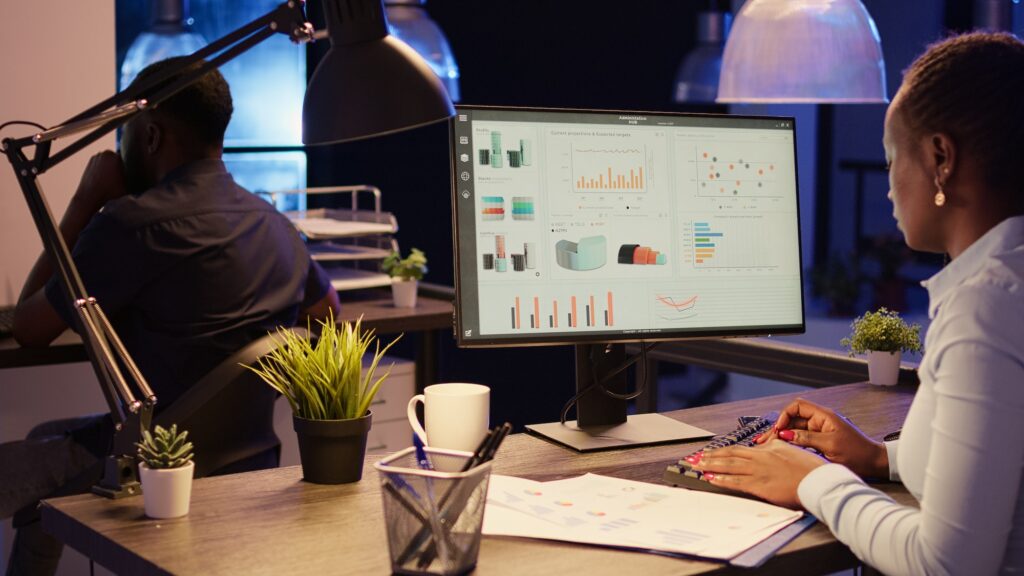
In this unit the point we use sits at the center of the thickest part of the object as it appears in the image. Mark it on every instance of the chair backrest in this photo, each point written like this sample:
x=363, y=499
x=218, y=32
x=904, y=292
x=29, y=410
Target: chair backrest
x=229, y=413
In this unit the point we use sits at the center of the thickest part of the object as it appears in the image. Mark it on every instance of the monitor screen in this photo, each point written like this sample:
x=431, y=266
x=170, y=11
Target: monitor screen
x=576, y=226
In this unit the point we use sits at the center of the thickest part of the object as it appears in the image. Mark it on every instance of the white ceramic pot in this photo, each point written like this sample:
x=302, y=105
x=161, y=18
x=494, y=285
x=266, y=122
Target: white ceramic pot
x=404, y=292
x=884, y=368
x=166, y=492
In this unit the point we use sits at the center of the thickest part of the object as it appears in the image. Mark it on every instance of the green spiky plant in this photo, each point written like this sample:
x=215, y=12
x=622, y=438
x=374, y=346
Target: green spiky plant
x=882, y=331
x=412, y=267
x=325, y=380
x=165, y=448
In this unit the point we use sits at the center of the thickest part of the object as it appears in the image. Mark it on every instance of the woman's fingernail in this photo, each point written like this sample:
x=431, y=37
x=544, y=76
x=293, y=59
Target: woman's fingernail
x=709, y=476
x=757, y=437
x=787, y=435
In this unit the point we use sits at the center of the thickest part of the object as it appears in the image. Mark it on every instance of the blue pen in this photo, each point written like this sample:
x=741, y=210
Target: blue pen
x=440, y=538
x=421, y=454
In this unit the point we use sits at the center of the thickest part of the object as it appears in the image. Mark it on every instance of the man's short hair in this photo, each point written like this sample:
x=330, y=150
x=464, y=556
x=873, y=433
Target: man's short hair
x=203, y=108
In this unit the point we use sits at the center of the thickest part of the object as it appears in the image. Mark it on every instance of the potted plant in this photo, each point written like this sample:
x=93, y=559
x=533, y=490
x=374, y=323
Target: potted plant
x=405, y=274
x=883, y=335
x=329, y=391
x=166, y=470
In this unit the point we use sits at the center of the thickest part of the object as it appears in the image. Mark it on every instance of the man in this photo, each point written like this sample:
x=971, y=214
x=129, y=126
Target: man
x=188, y=266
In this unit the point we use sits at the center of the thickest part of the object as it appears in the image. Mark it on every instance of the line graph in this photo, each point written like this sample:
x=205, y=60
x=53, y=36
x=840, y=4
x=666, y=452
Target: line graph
x=608, y=169
x=675, y=307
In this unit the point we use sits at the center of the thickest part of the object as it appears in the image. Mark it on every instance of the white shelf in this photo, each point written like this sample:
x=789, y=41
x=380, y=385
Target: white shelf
x=351, y=279
x=331, y=252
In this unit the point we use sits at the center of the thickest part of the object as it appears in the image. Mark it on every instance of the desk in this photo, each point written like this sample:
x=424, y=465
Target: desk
x=271, y=522
x=375, y=307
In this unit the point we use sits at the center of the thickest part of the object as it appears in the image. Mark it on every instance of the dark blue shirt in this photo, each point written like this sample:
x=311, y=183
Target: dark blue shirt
x=190, y=271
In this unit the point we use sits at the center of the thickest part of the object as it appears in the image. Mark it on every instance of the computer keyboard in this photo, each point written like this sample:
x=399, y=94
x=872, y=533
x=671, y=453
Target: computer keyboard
x=6, y=320
x=682, y=473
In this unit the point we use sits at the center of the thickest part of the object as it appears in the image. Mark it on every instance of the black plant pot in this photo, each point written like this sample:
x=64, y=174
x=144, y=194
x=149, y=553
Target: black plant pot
x=332, y=451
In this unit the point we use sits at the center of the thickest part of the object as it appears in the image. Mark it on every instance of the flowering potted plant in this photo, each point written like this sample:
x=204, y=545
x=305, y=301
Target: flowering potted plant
x=883, y=336
x=329, y=390
x=405, y=274
x=166, y=471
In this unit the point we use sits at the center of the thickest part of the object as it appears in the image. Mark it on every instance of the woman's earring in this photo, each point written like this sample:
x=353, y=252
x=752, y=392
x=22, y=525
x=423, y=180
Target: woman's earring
x=940, y=196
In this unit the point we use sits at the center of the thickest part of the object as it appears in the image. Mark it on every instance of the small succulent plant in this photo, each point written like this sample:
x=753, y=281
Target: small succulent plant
x=165, y=448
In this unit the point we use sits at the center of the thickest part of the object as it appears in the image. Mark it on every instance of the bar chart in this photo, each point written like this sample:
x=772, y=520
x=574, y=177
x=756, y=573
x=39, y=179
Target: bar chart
x=740, y=243
x=609, y=169
x=587, y=311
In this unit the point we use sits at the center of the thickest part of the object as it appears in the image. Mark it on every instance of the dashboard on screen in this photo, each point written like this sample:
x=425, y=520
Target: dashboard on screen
x=575, y=226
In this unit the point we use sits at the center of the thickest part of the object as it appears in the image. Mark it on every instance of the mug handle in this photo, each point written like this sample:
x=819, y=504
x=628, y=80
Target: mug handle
x=410, y=411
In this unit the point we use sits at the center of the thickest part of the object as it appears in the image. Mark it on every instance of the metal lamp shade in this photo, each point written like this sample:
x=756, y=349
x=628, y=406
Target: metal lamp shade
x=815, y=51
x=369, y=83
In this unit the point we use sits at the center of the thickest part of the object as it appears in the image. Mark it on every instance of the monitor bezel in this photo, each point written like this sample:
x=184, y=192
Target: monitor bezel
x=617, y=338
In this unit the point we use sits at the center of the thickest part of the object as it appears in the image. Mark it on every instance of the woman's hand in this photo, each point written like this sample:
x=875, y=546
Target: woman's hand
x=772, y=471
x=806, y=424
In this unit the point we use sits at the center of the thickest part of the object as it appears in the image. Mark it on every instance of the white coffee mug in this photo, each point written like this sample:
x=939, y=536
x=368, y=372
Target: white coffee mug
x=456, y=415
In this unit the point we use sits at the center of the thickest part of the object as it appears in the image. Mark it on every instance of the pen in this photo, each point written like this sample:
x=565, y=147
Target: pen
x=421, y=454
x=484, y=453
x=436, y=523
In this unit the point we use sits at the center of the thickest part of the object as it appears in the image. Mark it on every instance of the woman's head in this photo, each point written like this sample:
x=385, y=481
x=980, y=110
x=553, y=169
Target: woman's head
x=956, y=124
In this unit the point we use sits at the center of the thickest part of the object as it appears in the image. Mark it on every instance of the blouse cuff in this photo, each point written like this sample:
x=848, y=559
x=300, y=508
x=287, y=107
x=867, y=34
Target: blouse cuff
x=890, y=449
x=819, y=482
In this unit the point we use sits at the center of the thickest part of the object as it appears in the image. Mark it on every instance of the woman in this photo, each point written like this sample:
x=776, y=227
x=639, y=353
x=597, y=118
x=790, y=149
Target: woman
x=954, y=137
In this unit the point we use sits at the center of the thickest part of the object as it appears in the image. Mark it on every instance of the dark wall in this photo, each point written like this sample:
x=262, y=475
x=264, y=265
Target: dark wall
x=527, y=53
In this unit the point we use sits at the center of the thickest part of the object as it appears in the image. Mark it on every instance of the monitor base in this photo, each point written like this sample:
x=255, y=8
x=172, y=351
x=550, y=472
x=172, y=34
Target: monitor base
x=638, y=430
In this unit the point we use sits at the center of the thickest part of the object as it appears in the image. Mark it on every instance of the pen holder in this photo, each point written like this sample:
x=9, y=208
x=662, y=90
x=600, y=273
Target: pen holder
x=433, y=519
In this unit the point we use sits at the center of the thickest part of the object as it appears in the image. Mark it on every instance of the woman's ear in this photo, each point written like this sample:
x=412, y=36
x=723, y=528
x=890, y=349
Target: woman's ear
x=942, y=150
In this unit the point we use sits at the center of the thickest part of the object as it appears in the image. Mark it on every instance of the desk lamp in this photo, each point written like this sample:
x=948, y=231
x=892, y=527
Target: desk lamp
x=368, y=84
x=810, y=51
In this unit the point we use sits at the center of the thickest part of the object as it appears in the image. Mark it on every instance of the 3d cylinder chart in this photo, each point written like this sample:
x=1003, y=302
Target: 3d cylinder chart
x=522, y=208
x=590, y=311
x=588, y=253
x=520, y=155
x=493, y=208
x=641, y=255
x=521, y=261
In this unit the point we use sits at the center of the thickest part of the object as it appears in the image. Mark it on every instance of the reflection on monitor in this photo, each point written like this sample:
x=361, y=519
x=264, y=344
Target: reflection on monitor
x=593, y=227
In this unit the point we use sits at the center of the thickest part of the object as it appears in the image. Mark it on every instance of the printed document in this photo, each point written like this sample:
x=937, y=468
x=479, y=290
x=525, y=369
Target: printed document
x=594, y=509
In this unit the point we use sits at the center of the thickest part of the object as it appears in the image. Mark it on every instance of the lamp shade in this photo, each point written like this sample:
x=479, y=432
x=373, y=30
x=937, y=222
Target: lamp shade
x=411, y=24
x=803, y=51
x=369, y=83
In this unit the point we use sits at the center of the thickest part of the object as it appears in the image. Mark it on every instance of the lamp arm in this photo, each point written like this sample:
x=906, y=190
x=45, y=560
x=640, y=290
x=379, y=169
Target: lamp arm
x=106, y=352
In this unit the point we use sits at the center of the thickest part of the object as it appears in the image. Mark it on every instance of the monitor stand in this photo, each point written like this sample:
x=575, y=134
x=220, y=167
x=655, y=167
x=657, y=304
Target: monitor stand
x=602, y=421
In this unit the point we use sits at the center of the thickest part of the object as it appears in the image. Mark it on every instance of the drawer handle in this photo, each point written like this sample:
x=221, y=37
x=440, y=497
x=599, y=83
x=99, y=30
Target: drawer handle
x=379, y=401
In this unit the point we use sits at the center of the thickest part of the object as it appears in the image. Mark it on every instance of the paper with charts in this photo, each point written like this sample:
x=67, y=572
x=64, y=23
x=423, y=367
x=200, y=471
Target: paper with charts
x=593, y=509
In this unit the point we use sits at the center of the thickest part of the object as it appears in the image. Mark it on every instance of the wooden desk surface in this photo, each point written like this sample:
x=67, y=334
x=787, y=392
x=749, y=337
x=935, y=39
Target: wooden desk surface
x=270, y=522
x=375, y=307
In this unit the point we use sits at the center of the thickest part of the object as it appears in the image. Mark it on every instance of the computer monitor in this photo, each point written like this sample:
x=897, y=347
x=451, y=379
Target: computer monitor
x=592, y=228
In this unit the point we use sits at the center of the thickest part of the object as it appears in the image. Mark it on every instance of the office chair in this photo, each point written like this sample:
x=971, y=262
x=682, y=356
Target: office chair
x=229, y=415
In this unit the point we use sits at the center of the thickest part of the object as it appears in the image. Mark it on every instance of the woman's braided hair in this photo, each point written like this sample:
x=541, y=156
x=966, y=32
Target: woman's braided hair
x=971, y=87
